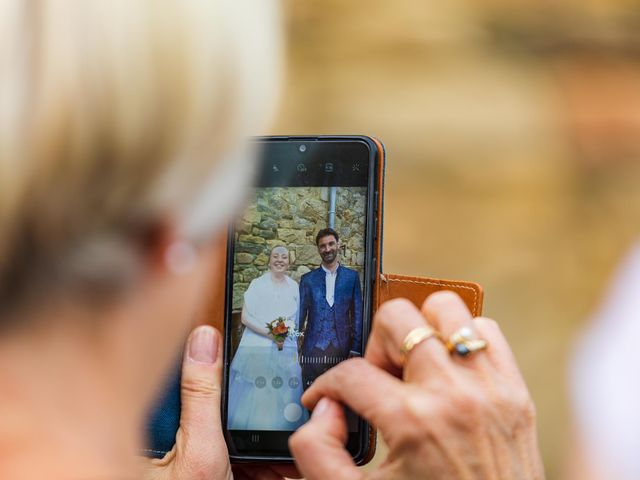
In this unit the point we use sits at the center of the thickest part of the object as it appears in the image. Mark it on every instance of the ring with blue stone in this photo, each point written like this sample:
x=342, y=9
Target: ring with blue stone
x=463, y=342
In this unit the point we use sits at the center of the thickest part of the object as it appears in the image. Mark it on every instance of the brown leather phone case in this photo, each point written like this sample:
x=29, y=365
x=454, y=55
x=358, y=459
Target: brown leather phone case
x=387, y=286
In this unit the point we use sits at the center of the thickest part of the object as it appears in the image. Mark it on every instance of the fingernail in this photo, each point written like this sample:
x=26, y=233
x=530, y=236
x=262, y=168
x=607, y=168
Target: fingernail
x=203, y=346
x=321, y=408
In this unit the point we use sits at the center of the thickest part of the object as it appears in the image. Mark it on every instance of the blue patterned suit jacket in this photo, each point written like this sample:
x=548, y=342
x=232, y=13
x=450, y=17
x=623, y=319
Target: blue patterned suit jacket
x=346, y=314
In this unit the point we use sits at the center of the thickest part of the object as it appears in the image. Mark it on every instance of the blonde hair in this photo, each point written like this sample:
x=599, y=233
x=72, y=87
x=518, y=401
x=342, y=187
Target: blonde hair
x=116, y=115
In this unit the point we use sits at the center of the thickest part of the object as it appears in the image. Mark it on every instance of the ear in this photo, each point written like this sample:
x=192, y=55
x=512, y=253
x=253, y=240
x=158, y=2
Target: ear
x=158, y=239
x=153, y=240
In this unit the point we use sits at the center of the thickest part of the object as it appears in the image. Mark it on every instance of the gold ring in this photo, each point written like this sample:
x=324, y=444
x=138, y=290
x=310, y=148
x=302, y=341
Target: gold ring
x=414, y=337
x=462, y=342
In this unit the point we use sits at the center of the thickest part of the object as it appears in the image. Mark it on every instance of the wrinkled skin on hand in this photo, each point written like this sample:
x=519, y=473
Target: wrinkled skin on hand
x=442, y=416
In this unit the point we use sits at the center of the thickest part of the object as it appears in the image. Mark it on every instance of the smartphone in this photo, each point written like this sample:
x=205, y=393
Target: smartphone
x=300, y=277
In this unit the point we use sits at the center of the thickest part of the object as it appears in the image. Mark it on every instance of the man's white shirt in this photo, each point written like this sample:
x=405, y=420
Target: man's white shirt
x=330, y=283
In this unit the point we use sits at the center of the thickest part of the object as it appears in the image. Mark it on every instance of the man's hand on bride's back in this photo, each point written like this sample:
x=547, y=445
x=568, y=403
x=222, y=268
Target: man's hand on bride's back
x=442, y=416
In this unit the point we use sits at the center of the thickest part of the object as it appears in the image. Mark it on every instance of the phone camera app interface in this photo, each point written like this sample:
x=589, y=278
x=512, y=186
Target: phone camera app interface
x=297, y=294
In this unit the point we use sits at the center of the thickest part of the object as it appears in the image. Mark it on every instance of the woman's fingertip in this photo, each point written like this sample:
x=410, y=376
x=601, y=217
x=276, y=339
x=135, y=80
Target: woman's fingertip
x=203, y=345
x=304, y=399
x=321, y=408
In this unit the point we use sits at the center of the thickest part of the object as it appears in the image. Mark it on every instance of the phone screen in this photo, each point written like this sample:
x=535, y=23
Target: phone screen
x=299, y=284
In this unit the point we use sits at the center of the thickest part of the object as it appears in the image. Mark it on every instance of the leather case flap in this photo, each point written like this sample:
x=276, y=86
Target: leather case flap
x=417, y=289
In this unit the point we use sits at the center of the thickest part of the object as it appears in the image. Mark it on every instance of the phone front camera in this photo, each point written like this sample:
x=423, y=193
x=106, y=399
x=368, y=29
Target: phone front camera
x=302, y=148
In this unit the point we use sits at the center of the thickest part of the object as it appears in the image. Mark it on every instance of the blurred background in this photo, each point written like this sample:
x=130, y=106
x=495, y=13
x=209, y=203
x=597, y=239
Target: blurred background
x=512, y=131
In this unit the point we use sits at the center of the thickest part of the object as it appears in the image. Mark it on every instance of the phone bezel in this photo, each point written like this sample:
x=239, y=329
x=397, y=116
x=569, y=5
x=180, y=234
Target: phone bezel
x=361, y=438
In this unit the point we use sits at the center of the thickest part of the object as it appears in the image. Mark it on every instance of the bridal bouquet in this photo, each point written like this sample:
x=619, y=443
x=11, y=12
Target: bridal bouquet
x=279, y=330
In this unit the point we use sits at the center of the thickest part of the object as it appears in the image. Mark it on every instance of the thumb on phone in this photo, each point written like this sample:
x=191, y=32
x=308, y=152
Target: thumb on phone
x=199, y=441
x=319, y=445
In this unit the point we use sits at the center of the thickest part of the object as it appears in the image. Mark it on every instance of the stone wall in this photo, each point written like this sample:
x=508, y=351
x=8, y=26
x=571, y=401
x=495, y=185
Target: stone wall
x=292, y=217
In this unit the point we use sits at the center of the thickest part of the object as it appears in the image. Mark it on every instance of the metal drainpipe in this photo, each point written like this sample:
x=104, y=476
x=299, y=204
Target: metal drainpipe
x=332, y=207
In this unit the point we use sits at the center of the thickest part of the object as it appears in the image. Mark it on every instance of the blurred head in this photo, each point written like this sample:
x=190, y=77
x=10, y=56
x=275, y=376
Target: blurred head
x=328, y=243
x=123, y=131
x=279, y=260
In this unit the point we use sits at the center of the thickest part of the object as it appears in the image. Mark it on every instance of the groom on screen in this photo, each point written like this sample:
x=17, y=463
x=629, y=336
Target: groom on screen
x=330, y=311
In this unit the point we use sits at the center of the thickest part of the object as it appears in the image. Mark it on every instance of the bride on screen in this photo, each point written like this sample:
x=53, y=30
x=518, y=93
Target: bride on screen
x=264, y=379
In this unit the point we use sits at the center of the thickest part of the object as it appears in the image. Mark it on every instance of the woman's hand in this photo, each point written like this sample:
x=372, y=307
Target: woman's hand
x=442, y=416
x=279, y=343
x=200, y=450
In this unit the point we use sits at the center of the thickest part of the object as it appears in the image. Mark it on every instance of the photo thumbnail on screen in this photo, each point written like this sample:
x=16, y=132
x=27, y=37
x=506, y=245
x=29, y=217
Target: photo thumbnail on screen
x=298, y=270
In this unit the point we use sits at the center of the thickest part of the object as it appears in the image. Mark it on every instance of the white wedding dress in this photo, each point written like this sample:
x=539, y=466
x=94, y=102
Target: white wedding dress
x=265, y=383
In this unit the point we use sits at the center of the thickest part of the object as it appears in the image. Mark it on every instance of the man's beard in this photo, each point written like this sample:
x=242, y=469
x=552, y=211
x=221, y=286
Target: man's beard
x=329, y=256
